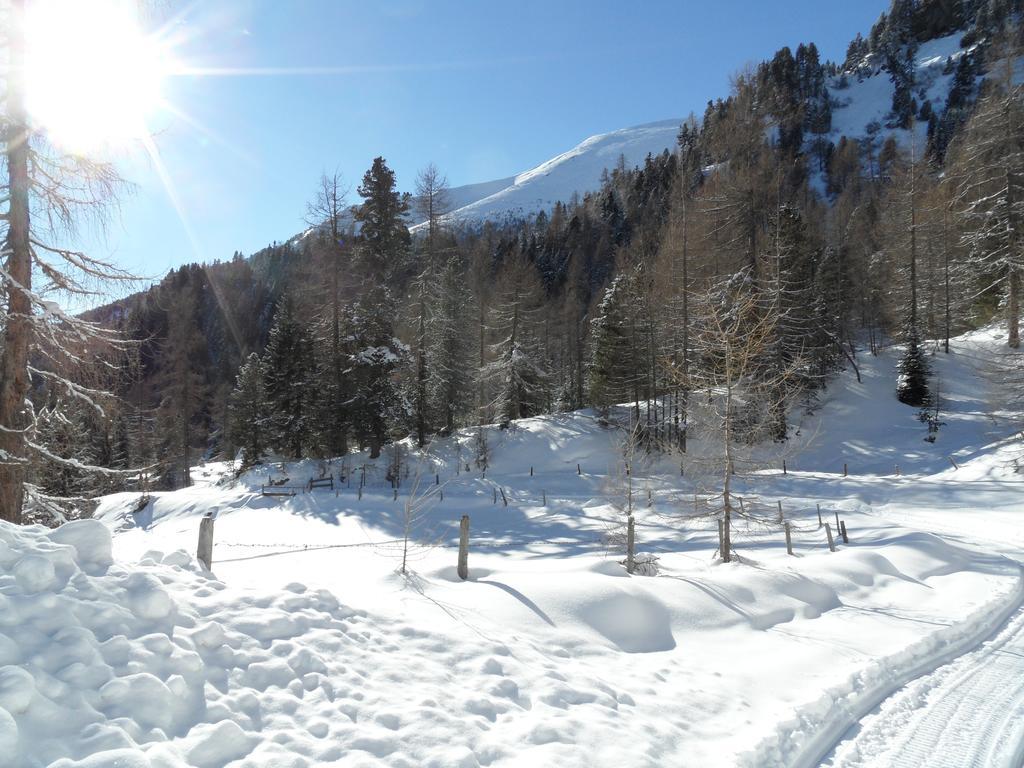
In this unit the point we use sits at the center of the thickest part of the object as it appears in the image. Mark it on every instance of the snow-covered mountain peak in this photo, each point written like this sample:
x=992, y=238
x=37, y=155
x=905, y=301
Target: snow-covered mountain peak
x=576, y=171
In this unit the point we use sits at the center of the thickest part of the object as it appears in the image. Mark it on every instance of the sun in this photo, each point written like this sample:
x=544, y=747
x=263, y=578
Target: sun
x=93, y=76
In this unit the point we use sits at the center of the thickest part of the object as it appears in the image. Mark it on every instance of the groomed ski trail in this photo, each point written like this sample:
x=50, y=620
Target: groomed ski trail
x=968, y=713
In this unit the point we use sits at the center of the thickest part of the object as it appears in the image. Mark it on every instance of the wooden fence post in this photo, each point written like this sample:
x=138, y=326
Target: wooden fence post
x=837, y=520
x=844, y=470
x=780, y=510
x=205, y=551
x=437, y=478
x=630, y=545
x=504, y=500
x=544, y=496
x=951, y=461
x=578, y=470
x=360, y=493
x=784, y=467
x=819, y=516
x=789, y=541
x=531, y=471
x=831, y=543
x=842, y=531
x=463, y=568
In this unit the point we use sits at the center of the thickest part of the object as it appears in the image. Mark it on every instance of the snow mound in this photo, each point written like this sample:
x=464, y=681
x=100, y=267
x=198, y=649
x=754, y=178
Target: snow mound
x=159, y=665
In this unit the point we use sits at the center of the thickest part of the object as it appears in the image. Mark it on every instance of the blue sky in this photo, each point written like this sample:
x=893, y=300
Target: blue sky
x=483, y=89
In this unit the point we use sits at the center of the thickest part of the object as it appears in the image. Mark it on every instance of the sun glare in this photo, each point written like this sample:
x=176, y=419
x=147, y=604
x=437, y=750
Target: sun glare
x=93, y=75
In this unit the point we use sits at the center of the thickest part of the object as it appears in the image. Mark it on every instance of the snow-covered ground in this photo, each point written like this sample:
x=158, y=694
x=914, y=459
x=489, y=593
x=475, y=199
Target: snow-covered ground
x=306, y=647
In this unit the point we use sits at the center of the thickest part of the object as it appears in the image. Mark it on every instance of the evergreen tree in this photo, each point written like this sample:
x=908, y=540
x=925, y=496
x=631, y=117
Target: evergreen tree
x=249, y=411
x=913, y=372
x=383, y=235
x=613, y=364
x=518, y=373
x=377, y=405
x=289, y=383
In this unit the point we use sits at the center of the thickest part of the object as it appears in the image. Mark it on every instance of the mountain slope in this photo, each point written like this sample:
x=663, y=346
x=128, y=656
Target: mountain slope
x=576, y=171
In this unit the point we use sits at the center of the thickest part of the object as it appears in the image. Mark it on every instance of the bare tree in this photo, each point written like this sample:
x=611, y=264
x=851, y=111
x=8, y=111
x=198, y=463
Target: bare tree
x=327, y=212
x=47, y=193
x=432, y=202
x=733, y=330
x=990, y=195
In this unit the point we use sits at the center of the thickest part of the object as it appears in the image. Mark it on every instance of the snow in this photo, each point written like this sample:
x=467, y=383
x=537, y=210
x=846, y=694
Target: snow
x=577, y=171
x=306, y=647
x=868, y=99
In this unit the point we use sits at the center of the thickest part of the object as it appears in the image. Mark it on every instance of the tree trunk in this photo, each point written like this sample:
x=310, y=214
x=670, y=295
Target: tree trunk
x=14, y=380
x=727, y=484
x=686, y=332
x=340, y=438
x=1013, y=310
x=421, y=376
x=945, y=267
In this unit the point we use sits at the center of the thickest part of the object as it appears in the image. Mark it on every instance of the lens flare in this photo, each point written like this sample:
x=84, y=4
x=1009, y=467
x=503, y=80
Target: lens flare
x=93, y=76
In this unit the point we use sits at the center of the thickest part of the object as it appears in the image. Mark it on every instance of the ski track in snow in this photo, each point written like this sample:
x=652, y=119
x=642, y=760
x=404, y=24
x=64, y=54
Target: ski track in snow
x=966, y=714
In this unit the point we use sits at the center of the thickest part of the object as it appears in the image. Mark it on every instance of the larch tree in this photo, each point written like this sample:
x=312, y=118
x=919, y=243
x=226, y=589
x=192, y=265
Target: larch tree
x=327, y=213
x=733, y=331
x=989, y=162
x=431, y=204
x=183, y=388
x=449, y=345
x=45, y=193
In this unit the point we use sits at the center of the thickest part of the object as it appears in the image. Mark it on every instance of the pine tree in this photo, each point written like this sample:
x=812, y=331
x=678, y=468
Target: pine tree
x=377, y=404
x=383, y=235
x=913, y=372
x=517, y=373
x=290, y=383
x=613, y=363
x=249, y=410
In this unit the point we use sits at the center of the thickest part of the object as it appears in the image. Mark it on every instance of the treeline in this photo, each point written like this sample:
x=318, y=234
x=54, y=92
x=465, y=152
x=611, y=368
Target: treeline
x=758, y=236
